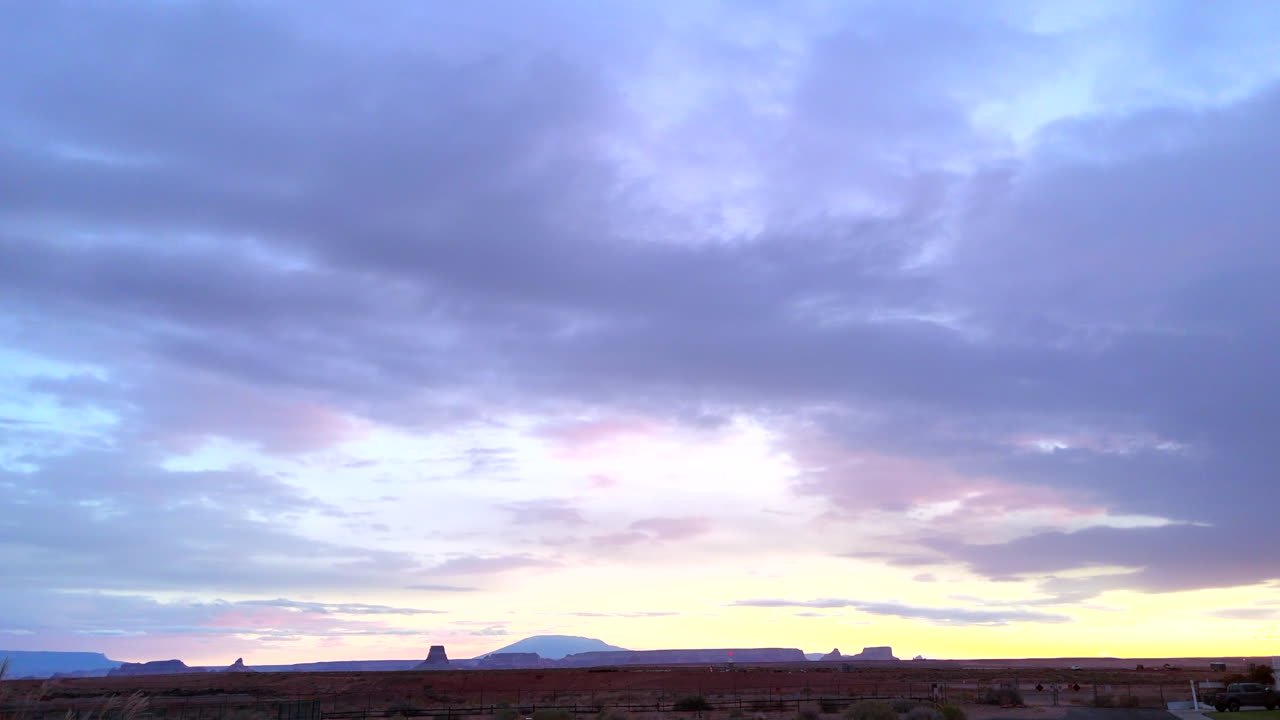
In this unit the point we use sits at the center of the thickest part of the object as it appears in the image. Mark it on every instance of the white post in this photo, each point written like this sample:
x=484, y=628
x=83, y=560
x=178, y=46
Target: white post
x=1195, y=701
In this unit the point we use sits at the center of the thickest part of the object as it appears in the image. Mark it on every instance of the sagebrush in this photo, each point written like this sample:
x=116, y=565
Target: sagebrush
x=870, y=710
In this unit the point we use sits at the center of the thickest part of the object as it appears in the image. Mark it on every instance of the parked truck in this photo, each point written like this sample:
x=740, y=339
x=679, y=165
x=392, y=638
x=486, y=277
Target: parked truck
x=1238, y=695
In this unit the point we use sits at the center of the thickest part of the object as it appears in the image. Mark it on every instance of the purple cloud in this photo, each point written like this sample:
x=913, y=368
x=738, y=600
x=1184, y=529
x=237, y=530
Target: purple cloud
x=1033, y=325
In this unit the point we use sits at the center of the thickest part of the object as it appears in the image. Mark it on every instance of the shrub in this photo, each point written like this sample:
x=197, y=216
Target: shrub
x=923, y=712
x=807, y=715
x=549, y=714
x=832, y=706
x=951, y=712
x=692, y=703
x=1002, y=696
x=1262, y=674
x=902, y=705
x=610, y=714
x=870, y=710
x=505, y=712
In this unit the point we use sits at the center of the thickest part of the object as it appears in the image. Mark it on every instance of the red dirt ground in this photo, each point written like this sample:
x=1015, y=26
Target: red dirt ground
x=960, y=681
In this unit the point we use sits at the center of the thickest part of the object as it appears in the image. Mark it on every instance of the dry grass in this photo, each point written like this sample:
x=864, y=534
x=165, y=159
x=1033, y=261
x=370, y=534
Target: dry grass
x=115, y=707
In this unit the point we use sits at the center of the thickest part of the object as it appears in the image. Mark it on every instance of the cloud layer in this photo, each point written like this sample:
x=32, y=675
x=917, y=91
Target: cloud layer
x=445, y=298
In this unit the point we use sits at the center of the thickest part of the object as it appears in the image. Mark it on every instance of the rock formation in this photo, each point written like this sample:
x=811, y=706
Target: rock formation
x=436, y=659
x=555, y=647
x=833, y=655
x=680, y=657
x=510, y=661
x=343, y=666
x=155, y=667
x=238, y=666
x=874, y=654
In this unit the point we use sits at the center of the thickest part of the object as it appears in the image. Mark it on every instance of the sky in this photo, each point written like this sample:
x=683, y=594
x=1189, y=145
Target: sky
x=338, y=330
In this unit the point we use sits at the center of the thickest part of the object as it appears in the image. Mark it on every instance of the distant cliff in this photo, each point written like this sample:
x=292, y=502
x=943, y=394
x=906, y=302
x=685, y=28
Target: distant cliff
x=39, y=664
x=883, y=653
x=155, y=667
x=343, y=666
x=682, y=657
x=511, y=661
x=554, y=647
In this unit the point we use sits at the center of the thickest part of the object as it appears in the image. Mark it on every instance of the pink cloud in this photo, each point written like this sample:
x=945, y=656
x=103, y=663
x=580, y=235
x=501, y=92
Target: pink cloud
x=620, y=539
x=579, y=437
x=655, y=530
x=857, y=481
x=600, y=482
x=210, y=406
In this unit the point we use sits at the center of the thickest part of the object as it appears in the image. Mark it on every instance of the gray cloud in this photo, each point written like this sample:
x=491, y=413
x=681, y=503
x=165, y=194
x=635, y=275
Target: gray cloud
x=126, y=615
x=253, y=226
x=935, y=615
x=1159, y=558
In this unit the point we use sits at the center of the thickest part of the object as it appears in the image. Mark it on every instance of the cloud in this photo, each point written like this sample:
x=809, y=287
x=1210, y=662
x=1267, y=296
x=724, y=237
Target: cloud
x=1245, y=614
x=337, y=608
x=111, y=520
x=543, y=511
x=997, y=323
x=113, y=615
x=778, y=602
x=1156, y=556
x=633, y=615
x=673, y=528
x=441, y=588
x=935, y=615
x=620, y=539
x=486, y=565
